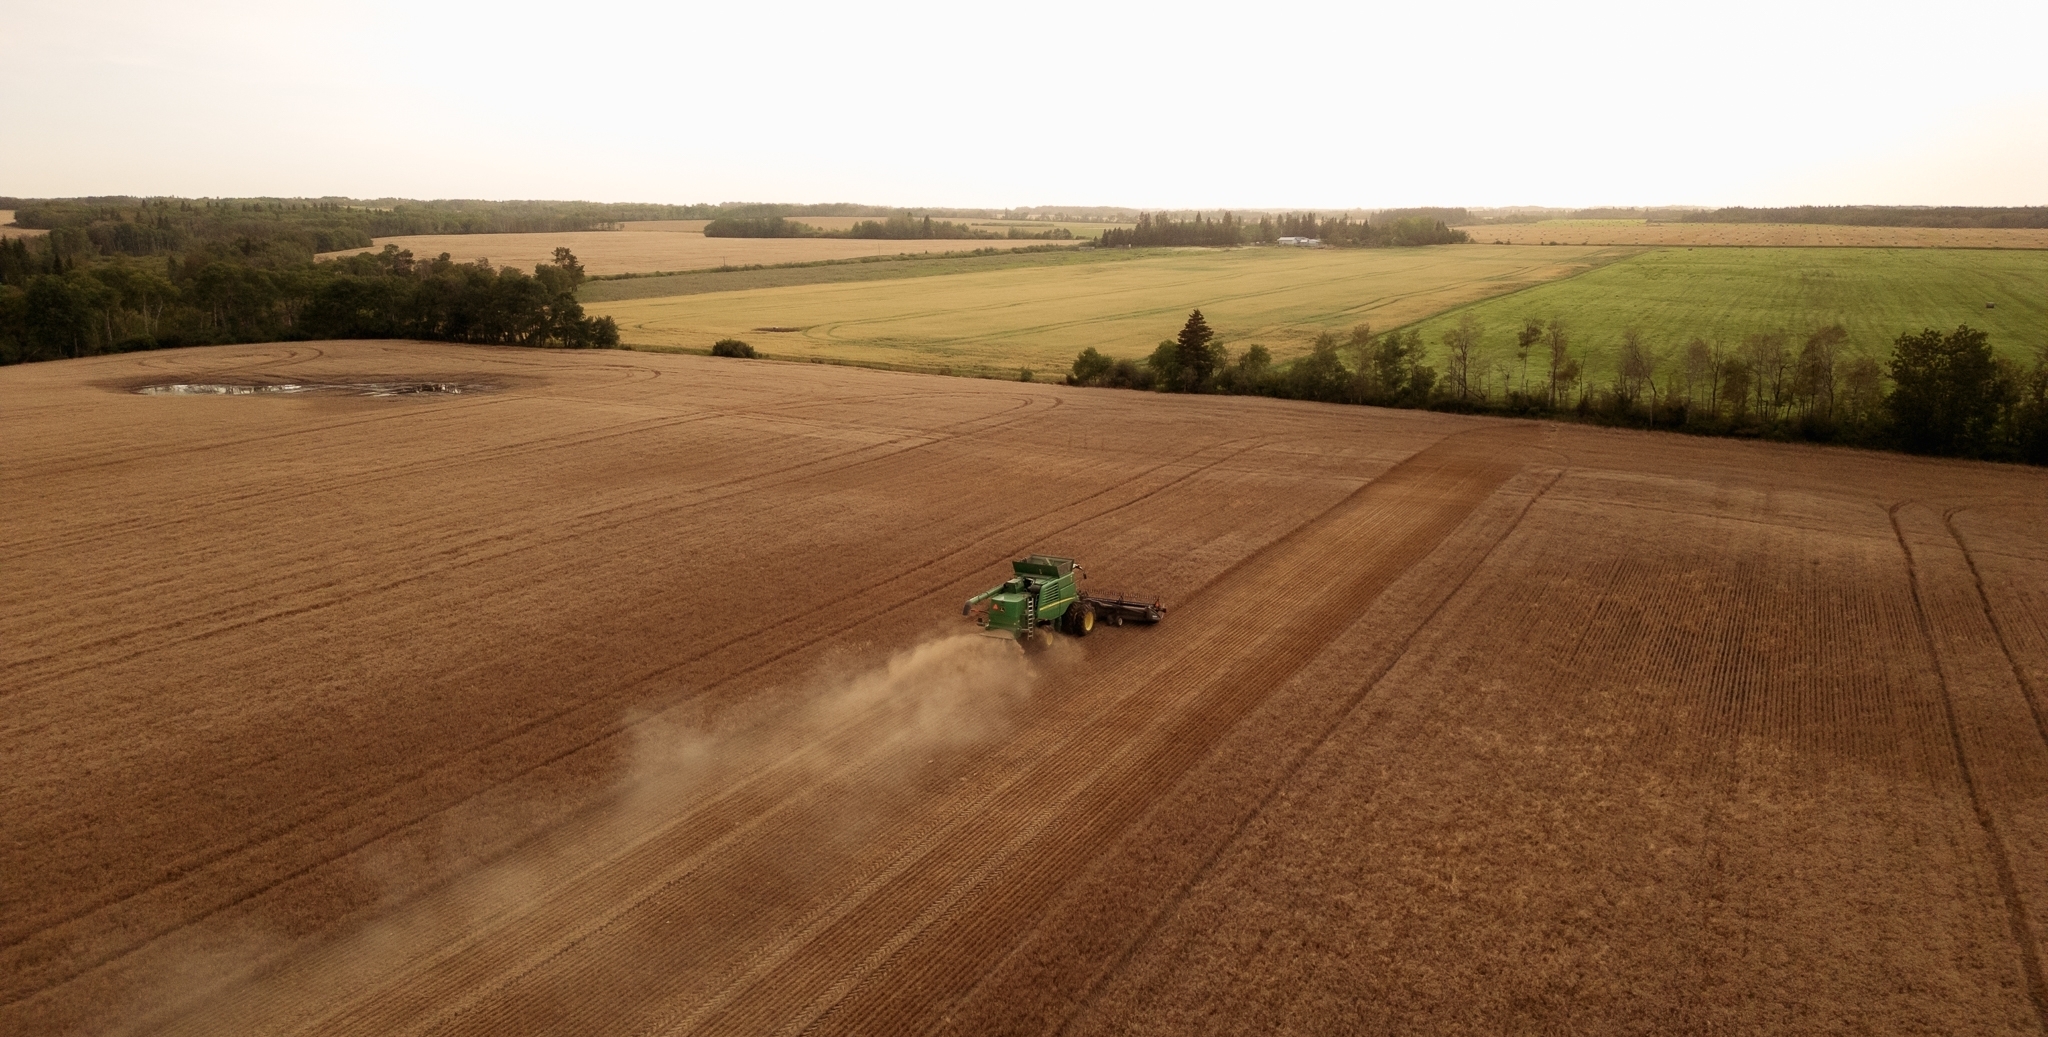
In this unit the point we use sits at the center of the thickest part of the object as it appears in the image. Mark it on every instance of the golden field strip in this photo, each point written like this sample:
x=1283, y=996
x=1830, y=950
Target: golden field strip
x=1040, y=316
x=9, y=231
x=662, y=245
x=1640, y=232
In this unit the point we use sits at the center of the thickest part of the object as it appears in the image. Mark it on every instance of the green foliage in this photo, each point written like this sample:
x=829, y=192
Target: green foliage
x=1420, y=230
x=1341, y=232
x=903, y=227
x=1724, y=295
x=214, y=297
x=1189, y=362
x=897, y=227
x=1394, y=374
x=1250, y=374
x=1196, y=356
x=2029, y=421
x=1318, y=376
x=1393, y=227
x=758, y=227
x=1951, y=395
x=1164, y=364
x=1459, y=342
x=1154, y=231
x=1946, y=392
x=1882, y=215
x=275, y=231
x=285, y=230
x=16, y=265
x=1089, y=368
x=1093, y=368
x=733, y=347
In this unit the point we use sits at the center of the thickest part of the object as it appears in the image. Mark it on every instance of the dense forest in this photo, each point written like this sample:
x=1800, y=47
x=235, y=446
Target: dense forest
x=1881, y=215
x=1538, y=213
x=1391, y=228
x=897, y=227
x=286, y=228
x=1937, y=392
x=54, y=305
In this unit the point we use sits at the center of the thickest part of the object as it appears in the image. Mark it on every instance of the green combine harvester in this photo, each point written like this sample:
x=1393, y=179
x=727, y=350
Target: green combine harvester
x=1043, y=591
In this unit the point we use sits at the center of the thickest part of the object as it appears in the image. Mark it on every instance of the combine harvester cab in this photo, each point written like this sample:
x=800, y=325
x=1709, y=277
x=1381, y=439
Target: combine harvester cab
x=1043, y=591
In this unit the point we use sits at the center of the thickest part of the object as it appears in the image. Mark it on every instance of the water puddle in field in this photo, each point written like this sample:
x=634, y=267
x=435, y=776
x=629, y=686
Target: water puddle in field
x=312, y=388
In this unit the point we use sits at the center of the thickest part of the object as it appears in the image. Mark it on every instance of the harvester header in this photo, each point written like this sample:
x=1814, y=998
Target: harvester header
x=1043, y=591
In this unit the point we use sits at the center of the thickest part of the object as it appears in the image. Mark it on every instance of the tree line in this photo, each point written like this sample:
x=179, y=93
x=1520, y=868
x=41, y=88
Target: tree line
x=303, y=227
x=1394, y=228
x=897, y=227
x=54, y=306
x=2035, y=216
x=1942, y=393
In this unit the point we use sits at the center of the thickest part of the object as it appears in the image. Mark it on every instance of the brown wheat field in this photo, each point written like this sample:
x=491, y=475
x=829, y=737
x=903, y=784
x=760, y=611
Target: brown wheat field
x=628, y=693
x=1639, y=232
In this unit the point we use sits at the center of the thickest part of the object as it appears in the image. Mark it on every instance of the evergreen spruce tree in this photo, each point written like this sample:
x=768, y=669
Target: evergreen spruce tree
x=1199, y=357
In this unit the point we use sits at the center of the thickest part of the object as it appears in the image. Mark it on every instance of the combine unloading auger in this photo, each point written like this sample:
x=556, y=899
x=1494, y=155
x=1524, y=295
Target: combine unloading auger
x=1043, y=591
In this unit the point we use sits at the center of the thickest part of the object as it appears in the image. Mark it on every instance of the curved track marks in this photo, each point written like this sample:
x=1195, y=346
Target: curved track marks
x=571, y=725
x=951, y=868
x=1999, y=750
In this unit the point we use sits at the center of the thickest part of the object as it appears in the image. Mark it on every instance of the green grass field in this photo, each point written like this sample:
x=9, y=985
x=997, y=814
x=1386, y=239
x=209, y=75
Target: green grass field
x=1725, y=294
x=1038, y=313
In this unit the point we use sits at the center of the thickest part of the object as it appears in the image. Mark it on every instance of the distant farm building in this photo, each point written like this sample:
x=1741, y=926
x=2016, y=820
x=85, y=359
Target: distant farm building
x=1303, y=242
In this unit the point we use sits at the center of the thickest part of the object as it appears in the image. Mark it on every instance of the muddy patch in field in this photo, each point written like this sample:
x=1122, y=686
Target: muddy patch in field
x=378, y=388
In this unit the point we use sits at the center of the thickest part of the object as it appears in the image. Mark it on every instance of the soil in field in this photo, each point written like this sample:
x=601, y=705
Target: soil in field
x=634, y=697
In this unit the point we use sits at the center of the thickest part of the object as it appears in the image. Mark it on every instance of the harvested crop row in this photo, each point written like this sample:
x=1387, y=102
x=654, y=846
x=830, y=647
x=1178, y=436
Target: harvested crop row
x=621, y=697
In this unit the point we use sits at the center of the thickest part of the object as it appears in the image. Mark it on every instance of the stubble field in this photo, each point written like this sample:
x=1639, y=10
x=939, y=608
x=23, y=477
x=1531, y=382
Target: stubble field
x=1040, y=315
x=626, y=693
x=1776, y=235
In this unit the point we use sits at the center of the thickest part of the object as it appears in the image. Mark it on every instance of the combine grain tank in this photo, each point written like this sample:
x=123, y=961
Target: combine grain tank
x=1043, y=591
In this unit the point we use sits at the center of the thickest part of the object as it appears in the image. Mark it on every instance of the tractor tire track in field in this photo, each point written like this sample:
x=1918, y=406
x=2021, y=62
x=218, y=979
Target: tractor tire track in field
x=2019, y=673
x=798, y=644
x=942, y=573
x=656, y=884
x=1984, y=790
x=270, y=496
x=1080, y=1000
x=416, y=574
x=1685, y=747
x=611, y=516
x=1262, y=621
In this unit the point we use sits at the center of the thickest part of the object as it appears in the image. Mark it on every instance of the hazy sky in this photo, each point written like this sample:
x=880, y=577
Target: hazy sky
x=982, y=104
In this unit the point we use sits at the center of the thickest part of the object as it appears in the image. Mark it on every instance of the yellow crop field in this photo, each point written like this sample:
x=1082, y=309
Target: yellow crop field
x=8, y=230
x=1122, y=303
x=639, y=248
x=1641, y=232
